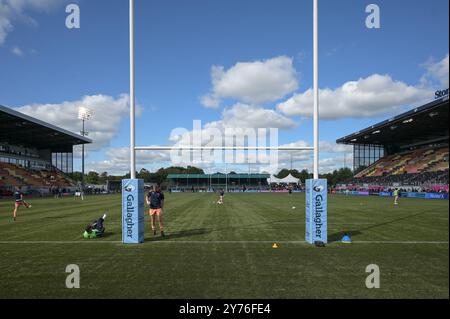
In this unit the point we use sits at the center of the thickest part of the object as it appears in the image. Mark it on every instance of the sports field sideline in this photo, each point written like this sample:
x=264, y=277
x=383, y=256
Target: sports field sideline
x=214, y=251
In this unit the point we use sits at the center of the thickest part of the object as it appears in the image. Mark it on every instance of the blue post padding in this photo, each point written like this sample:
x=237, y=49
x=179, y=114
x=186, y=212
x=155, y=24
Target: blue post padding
x=316, y=211
x=132, y=211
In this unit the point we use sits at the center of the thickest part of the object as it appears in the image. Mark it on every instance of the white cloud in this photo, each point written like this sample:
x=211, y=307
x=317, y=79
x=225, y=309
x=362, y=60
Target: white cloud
x=328, y=147
x=12, y=11
x=210, y=102
x=235, y=121
x=329, y=164
x=108, y=112
x=367, y=97
x=17, y=51
x=118, y=161
x=252, y=82
x=5, y=21
x=437, y=72
x=243, y=115
x=333, y=156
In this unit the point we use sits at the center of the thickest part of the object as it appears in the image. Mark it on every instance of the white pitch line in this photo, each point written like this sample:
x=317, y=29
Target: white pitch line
x=413, y=242
x=56, y=242
x=205, y=242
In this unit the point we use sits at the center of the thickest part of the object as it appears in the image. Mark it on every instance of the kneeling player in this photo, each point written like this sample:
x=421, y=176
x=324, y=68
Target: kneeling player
x=18, y=201
x=155, y=199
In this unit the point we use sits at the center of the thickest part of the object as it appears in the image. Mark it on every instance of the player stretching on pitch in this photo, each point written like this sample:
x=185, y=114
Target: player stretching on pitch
x=18, y=201
x=155, y=199
x=396, y=196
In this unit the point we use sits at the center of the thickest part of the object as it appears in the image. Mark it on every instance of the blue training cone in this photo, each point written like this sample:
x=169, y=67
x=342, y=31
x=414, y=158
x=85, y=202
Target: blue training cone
x=346, y=239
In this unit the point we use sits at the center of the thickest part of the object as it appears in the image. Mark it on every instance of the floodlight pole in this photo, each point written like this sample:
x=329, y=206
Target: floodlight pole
x=132, y=97
x=316, y=88
x=84, y=115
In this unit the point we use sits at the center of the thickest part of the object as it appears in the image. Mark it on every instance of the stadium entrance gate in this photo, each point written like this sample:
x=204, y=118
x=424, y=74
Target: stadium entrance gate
x=133, y=189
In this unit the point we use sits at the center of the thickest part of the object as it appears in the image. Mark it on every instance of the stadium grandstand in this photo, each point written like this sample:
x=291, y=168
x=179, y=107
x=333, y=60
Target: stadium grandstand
x=35, y=155
x=409, y=152
x=232, y=182
x=209, y=182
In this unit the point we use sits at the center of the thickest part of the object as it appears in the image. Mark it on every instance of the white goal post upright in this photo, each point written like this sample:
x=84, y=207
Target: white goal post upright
x=316, y=88
x=132, y=188
x=132, y=97
x=316, y=189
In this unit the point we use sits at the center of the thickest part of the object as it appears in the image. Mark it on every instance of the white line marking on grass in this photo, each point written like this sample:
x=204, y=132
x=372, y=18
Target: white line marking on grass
x=57, y=242
x=413, y=242
x=206, y=242
x=293, y=242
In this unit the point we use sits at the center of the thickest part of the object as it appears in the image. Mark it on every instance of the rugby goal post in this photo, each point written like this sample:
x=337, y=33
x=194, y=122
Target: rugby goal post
x=133, y=189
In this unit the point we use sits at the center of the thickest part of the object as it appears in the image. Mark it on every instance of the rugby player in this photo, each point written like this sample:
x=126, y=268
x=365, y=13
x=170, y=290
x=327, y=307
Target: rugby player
x=155, y=199
x=396, y=196
x=221, y=195
x=19, y=201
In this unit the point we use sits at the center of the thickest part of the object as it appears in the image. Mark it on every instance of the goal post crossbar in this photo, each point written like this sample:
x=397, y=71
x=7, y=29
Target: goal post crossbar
x=222, y=148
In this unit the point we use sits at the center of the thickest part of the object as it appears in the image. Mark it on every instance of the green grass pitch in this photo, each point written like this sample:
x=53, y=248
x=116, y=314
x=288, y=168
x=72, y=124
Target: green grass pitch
x=226, y=251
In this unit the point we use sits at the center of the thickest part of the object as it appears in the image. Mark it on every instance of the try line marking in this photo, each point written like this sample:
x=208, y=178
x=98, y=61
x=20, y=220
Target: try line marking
x=206, y=242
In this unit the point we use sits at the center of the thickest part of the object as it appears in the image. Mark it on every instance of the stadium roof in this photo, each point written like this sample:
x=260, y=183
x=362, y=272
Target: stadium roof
x=207, y=176
x=423, y=124
x=19, y=129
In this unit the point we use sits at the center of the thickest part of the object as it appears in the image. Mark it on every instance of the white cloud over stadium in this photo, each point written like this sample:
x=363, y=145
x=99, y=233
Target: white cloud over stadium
x=364, y=98
x=118, y=161
x=239, y=116
x=437, y=73
x=375, y=95
x=103, y=128
x=254, y=82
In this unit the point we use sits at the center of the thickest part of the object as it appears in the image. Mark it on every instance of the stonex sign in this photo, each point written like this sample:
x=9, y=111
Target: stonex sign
x=316, y=210
x=132, y=211
x=441, y=94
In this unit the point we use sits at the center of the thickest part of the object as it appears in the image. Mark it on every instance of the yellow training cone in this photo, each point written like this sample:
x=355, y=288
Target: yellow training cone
x=275, y=246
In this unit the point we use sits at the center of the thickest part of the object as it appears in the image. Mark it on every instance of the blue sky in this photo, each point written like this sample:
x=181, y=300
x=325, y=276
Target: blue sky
x=258, y=47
